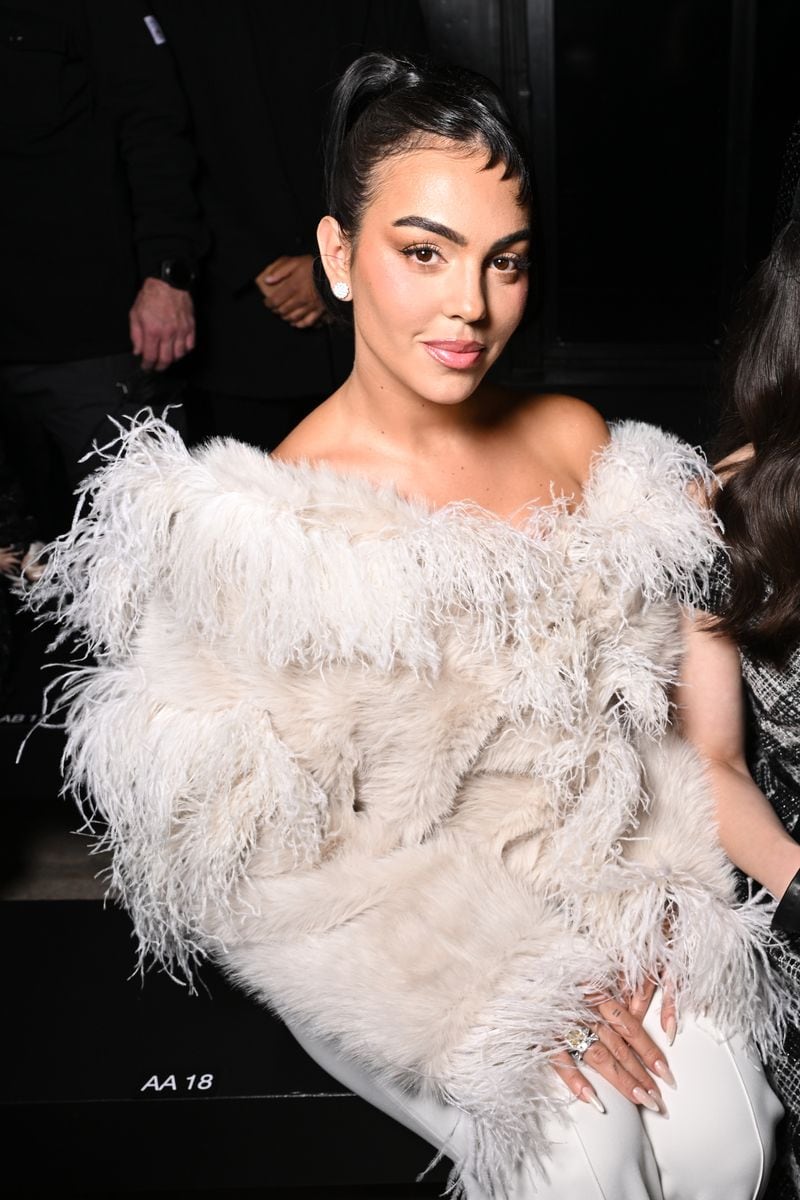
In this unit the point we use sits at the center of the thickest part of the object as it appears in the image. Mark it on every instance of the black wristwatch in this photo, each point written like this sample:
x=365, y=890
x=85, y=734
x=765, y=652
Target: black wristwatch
x=179, y=273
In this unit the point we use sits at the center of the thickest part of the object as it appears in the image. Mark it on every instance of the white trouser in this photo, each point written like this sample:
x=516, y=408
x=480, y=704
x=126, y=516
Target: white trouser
x=717, y=1143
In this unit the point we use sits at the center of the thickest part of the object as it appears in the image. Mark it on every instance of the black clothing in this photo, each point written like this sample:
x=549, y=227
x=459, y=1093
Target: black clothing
x=259, y=421
x=97, y=174
x=259, y=76
x=67, y=408
x=17, y=530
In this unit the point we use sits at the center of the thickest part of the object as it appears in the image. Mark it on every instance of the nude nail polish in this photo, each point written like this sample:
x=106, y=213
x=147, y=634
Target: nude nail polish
x=671, y=1029
x=663, y=1072
x=590, y=1096
x=646, y=1099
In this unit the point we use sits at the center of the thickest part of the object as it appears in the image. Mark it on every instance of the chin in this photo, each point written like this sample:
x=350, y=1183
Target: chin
x=449, y=395
x=452, y=389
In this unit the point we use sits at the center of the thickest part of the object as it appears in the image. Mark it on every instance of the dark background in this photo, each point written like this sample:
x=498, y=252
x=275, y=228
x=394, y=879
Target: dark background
x=657, y=128
x=657, y=132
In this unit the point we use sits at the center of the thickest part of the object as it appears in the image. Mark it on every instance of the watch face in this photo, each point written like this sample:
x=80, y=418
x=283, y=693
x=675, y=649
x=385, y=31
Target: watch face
x=177, y=273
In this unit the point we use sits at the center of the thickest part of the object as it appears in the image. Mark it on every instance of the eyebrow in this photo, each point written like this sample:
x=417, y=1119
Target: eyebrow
x=445, y=231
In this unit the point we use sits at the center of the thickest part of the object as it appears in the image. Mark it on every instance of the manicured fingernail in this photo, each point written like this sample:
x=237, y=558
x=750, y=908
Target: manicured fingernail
x=647, y=1099
x=662, y=1070
x=662, y=1108
x=589, y=1096
x=671, y=1028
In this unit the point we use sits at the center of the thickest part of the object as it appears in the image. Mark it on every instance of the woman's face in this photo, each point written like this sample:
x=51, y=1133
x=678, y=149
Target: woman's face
x=438, y=272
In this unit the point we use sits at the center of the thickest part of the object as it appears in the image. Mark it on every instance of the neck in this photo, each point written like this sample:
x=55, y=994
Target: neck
x=380, y=409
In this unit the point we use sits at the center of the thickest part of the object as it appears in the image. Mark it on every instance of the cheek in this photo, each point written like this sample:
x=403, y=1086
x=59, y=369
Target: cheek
x=508, y=303
x=392, y=292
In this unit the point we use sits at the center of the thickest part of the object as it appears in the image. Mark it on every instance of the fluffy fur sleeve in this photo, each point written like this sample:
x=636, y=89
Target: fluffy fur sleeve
x=644, y=533
x=184, y=770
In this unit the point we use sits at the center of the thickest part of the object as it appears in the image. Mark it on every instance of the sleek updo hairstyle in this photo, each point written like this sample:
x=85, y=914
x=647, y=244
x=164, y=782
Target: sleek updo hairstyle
x=383, y=106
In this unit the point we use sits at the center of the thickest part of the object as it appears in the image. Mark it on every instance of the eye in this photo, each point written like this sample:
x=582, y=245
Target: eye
x=421, y=253
x=509, y=263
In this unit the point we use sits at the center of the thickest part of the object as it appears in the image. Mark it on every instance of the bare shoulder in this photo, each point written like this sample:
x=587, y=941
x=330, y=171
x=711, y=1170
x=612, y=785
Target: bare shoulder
x=293, y=448
x=704, y=492
x=308, y=441
x=568, y=417
x=568, y=430
x=729, y=464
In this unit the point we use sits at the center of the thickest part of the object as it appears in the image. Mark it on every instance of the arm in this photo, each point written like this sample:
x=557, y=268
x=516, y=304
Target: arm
x=183, y=764
x=138, y=90
x=711, y=716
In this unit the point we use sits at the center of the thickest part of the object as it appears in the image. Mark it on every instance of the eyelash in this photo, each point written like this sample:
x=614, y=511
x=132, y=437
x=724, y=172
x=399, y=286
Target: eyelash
x=410, y=251
x=517, y=262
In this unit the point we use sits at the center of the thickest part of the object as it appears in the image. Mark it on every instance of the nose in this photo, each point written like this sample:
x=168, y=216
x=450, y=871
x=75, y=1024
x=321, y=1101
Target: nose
x=466, y=295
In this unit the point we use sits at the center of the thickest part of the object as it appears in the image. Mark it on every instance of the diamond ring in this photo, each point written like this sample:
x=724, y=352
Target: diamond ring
x=578, y=1040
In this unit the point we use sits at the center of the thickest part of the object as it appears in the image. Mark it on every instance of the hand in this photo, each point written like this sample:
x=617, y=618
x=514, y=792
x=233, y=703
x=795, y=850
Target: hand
x=10, y=560
x=639, y=1002
x=161, y=324
x=289, y=291
x=624, y=1055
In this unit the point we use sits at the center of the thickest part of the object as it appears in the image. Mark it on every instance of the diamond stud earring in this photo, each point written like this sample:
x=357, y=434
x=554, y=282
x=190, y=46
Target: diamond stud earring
x=341, y=290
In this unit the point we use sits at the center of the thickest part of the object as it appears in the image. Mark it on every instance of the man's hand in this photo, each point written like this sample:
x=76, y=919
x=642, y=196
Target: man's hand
x=289, y=291
x=161, y=324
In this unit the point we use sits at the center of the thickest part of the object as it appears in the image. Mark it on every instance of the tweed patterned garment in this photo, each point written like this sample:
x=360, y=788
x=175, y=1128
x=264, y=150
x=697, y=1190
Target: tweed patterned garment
x=773, y=701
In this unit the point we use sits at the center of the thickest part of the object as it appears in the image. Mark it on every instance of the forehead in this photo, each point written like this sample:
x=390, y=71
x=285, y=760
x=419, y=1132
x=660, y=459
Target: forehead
x=448, y=183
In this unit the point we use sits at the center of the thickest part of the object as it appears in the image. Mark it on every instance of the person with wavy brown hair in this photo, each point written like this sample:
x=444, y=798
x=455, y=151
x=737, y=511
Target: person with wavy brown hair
x=741, y=705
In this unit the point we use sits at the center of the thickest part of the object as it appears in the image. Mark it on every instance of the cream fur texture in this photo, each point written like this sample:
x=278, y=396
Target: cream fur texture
x=407, y=774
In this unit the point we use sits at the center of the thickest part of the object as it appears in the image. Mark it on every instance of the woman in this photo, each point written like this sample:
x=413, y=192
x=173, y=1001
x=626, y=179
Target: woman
x=381, y=723
x=742, y=673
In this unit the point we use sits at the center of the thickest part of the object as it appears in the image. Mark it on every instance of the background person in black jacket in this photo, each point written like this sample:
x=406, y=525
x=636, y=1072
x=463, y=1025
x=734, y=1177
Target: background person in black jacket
x=98, y=227
x=258, y=76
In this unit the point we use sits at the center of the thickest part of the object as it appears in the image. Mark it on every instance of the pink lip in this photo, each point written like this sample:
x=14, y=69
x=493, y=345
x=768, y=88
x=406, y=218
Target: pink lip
x=455, y=354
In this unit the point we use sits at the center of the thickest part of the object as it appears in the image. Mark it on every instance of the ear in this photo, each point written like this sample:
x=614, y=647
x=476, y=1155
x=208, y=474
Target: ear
x=334, y=251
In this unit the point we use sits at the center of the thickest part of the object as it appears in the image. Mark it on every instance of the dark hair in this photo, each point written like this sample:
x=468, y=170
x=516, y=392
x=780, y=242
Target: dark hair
x=759, y=504
x=384, y=106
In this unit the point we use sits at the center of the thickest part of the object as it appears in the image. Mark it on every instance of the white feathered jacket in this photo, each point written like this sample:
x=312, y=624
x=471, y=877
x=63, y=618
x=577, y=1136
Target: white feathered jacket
x=408, y=774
